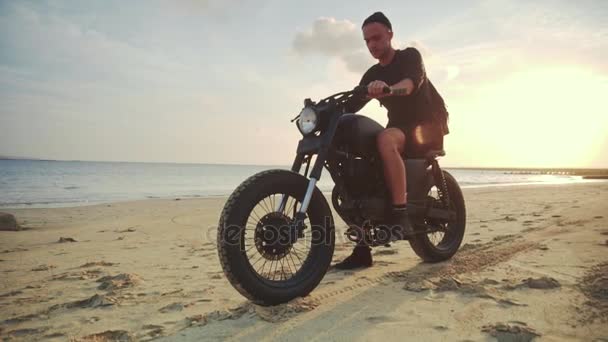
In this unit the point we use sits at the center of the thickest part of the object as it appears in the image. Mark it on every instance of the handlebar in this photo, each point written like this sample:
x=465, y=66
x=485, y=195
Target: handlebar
x=362, y=90
x=345, y=96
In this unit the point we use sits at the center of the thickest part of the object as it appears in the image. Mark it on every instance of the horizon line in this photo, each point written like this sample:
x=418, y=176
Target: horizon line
x=506, y=168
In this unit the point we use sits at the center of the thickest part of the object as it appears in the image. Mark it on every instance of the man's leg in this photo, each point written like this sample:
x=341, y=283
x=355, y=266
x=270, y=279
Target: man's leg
x=391, y=144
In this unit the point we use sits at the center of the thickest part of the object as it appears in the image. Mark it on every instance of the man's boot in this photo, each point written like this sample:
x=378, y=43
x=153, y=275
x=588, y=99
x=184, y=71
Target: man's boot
x=399, y=223
x=360, y=257
x=397, y=226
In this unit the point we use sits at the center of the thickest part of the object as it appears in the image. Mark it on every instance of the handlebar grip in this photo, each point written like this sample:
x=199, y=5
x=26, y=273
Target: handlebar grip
x=361, y=89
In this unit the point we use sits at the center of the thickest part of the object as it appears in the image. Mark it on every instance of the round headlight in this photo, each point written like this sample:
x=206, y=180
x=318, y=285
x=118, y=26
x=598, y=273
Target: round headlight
x=308, y=121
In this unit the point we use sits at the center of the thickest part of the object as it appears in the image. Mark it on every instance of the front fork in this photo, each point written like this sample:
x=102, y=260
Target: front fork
x=315, y=175
x=314, y=178
x=441, y=184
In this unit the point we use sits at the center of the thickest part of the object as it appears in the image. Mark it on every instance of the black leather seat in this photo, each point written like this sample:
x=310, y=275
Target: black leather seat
x=430, y=155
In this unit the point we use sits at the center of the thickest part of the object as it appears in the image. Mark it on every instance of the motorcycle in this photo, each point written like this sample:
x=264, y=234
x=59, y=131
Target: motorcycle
x=276, y=233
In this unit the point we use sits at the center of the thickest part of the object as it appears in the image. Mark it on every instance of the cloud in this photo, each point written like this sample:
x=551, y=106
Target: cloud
x=330, y=37
x=334, y=38
x=517, y=34
x=60, y=49
x=68, y=87
x=342, y=39
x=358, y=61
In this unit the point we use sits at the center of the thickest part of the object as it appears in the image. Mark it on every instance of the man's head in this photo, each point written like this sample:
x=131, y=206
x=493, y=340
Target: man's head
x=377, y=32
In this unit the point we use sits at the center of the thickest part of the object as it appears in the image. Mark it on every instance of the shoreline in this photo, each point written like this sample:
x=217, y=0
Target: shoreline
x=191, y=197
x=569, y=170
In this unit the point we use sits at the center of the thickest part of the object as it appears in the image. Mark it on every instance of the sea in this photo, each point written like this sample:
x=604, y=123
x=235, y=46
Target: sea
x=47, y=184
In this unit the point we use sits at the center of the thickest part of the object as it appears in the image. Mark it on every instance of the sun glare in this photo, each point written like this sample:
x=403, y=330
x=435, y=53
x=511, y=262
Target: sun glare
x=544, y=117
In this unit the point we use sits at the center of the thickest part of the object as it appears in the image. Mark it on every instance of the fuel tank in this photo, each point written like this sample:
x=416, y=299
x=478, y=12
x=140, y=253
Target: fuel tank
x=358, y=132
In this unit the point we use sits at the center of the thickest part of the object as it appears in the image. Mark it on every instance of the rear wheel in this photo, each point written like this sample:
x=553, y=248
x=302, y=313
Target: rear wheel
x=446, y=236
x=257, y=256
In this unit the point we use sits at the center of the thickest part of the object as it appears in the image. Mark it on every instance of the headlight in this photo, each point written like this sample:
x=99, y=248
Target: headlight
x=308, y=121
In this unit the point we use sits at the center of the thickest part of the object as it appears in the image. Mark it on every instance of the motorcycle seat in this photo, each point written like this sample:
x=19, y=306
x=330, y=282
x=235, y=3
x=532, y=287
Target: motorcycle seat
x=433, y=154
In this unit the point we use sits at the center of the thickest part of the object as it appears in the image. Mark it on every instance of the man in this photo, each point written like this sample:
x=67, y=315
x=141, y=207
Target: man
x=417, y=121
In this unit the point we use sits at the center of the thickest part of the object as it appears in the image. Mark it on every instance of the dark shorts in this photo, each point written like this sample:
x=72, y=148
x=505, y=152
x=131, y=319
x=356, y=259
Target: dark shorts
x=420, y=139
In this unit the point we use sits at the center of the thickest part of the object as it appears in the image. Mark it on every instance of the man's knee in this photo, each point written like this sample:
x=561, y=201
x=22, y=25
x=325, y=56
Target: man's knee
x=389, y=140
x=383, y=139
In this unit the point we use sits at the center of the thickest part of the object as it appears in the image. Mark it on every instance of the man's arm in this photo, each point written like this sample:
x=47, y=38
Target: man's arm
x=403, y=88
x=356, y=103
x=415, y=74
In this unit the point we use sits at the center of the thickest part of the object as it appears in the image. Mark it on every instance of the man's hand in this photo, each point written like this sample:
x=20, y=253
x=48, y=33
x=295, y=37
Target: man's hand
x=375, y=89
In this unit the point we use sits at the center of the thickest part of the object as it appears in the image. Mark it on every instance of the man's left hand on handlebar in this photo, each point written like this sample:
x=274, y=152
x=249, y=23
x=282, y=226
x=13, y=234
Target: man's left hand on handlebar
x=375, y=89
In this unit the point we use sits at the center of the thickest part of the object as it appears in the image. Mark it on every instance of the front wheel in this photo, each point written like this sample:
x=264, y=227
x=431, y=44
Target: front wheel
x=446, y=236
x=261, y=265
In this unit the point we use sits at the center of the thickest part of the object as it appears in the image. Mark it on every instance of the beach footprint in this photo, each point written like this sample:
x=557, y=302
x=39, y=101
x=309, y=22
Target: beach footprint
x=386, y=252
x=381, y=319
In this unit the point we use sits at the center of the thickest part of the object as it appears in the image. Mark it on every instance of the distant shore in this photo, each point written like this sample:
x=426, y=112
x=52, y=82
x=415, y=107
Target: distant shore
x=596, y=177
x=541, y=171
x=516, y=170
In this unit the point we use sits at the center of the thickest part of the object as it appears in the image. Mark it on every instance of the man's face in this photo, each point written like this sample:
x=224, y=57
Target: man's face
x=378, y=39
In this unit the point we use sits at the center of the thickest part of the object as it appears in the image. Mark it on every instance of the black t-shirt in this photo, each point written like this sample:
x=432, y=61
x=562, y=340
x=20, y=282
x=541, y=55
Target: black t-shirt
x=423, y=105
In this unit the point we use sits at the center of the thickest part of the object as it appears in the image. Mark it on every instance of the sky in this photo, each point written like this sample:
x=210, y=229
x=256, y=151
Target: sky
x=210, y=81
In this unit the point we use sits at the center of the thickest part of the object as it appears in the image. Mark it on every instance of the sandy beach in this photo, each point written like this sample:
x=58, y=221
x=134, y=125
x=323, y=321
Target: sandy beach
x=534, y=263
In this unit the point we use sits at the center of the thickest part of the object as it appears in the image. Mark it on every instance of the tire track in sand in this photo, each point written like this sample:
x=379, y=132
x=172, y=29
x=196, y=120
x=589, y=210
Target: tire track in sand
x=473, y=258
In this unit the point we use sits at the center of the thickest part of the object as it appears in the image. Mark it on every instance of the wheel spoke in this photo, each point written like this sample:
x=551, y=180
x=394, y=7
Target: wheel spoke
x=264, y=206
x=270, y=272
x=268, y=205
x=297, y=256
x=294, y=262
x=274, y=273
x=296, y=267
x=287, y=207
x=292, y=209
x=283, y=277
x=263, y=265
x=288, y=265
x=301, y=248
x=291, y=204
x=250, y=248
x=257, y=260
x=251, y=224
x=270, y=268
x=295, y=208
x=255, y=214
